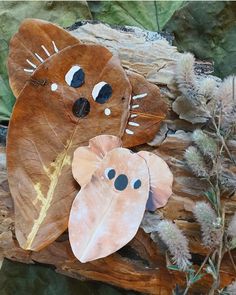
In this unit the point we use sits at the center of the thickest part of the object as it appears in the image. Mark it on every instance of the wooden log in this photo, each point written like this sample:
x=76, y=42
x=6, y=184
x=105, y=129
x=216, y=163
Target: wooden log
x=141, y=265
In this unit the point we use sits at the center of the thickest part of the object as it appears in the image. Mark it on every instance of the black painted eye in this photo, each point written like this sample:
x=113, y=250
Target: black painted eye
x=121, y=182
x=75, y=77
x=136, y=183
x=81, y=107
x=101, y=92
x=110, y=173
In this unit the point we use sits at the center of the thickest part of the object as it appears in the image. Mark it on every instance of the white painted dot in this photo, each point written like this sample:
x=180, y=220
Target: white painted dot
x=54, y=87
x=107, y=112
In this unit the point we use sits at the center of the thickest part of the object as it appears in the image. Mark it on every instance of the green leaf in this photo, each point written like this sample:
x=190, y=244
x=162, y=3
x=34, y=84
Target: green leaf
x=6, y=96
x=224, y=292
x=173, y=267
x=197, y=278
x=6, y=100
x=151, y=15
x=211, y=196
x=208, y=30
x=211, y=269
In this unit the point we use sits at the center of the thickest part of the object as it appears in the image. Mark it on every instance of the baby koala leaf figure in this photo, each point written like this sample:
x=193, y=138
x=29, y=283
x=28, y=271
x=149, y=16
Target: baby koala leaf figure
x=117, y=186
x=67, y=92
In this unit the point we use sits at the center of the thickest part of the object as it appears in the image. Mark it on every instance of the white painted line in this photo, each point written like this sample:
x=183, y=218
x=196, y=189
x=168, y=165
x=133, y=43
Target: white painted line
x=129, y=131
x=39, y=57
x=30, y=63
x=139, y=96
x=45, y=49
x=133, y=124
x=29, y=71
x=55, y=47
x=135, y=106
x=133, y=116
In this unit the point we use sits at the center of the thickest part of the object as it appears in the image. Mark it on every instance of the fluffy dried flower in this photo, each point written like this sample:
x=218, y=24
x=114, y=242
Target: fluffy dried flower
x=232, y=226
x=209, y=222
x=176, y=242
x=205, y=143
x=196, y=162
x=227, y=92
x=231, y=289
x=185, y=76
x=207, y=88
x=226, y=95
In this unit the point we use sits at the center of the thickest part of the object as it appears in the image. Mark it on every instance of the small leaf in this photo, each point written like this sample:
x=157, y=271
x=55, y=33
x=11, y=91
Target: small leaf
x=197, y=278
x=173, y=267
x=211, y=269
x=233, y=243
x=191, y=275
x=211, y=196
x=225, y=293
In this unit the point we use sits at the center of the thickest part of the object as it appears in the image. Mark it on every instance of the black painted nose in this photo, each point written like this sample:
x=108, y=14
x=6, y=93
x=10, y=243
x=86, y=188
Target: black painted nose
x=81, y=107
x=121, y=182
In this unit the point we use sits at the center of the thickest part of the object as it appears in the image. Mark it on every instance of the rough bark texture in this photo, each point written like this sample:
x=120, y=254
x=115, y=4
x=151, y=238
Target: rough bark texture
x=141, y=265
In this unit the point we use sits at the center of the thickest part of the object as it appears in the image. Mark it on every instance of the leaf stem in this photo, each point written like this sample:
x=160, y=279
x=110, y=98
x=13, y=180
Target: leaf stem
x=222, y=140
x=232, y=260
x=220, y=256
x=189, y=284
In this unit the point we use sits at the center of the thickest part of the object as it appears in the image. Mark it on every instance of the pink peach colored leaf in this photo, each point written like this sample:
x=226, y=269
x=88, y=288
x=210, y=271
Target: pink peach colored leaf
x=161, y=179
x=107, y=212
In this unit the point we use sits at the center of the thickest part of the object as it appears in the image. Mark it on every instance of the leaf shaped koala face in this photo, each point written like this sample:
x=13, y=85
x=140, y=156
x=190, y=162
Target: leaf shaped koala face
x=49, y=121
x=107, y=212
x=87, y=159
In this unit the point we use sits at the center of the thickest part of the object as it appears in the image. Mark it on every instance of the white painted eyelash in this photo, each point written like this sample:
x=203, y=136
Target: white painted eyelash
x=139, y=96
x=39, y=57
x=129, y=131
x=28, y=70
x=55, y=47
x=133, y=124
x=46, y=51
x=30, y=63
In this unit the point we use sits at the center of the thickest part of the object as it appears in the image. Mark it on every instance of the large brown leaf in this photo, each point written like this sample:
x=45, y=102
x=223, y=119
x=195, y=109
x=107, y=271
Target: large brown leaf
x=44, y=132
x=107, y=212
